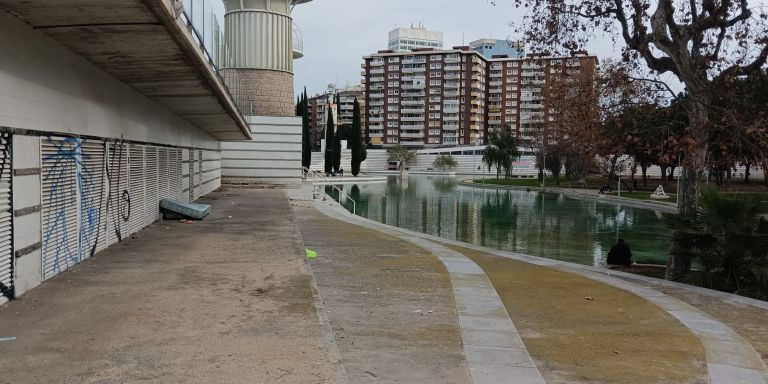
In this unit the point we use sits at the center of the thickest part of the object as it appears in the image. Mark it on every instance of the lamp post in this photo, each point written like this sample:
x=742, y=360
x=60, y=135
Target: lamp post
x=544, y=172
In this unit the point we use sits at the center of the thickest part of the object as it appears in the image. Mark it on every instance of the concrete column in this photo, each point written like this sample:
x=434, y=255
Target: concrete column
x=27, y=220
x=259, y=35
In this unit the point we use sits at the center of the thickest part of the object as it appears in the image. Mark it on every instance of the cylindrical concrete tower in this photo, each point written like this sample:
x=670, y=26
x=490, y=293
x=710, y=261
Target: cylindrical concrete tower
x=259, y=35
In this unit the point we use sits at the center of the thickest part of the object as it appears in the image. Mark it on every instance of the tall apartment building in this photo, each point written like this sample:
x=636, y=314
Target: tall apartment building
x=494, y=47
x=431, y=98
x=406, y=39
x=324, y=103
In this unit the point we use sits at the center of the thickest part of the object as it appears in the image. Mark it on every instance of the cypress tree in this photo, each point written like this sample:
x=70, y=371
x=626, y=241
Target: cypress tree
x=337, y=139
x=306, y=136
x=329, y=141
x=358, y=150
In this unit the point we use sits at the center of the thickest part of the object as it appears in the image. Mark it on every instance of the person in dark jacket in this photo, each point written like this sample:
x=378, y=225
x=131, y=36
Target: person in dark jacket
x=620, y=254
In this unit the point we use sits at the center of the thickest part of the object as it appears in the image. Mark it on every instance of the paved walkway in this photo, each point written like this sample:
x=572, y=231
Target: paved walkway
x=730, y=358
x=225, y=300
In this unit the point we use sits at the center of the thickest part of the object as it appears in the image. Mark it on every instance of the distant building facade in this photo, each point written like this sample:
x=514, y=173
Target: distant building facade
x=493, y=47
x=406, y=39
x=437, y=98
x=324, y=103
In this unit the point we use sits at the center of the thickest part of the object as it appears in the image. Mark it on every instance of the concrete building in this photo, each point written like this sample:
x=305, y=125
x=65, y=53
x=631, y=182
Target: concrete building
x=406, y=39
x=436, y=98
x=322, y=104
x=491, y=48
x=105, y=108
x=262, y=44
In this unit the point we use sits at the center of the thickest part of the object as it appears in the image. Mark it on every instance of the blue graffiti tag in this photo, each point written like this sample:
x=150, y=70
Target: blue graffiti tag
x=69, y=157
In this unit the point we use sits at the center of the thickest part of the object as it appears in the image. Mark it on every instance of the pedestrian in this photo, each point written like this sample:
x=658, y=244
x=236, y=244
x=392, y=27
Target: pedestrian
x=620, y=254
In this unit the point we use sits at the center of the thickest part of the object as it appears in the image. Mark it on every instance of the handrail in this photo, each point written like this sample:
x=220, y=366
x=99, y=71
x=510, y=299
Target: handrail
x=315, y=175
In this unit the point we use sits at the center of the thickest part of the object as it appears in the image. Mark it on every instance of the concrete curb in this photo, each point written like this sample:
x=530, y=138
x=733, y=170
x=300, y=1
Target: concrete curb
x=560, y=191
x=730, y=358
x=329, y=341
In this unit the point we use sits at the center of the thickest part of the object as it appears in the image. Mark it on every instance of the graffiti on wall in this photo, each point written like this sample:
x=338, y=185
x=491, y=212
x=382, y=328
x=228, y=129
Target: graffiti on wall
x=6, y=258
x=74, y=202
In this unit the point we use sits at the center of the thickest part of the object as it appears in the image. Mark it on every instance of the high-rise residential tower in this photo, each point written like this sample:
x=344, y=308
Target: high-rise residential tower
x=433, y=98
x=406, y=39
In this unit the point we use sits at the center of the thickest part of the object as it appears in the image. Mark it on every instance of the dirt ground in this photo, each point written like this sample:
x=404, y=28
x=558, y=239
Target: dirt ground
x=225, y=300
x=579, y=330
x=390, y=304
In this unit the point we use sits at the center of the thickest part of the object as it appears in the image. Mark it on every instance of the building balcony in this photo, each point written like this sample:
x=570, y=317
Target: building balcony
x=377, y=71
x=376, y=96
x=495, y=83
x=376, y=103
x=449, y=68
x=419, y=135
x=451, y=77
x=413, y=70
x=412, y=110
x=377, y=79
x=376, y=119
x=450, y=118
x=377, y=63
x=412, y=102
x=494, y=99
x=375, y=134
x=413, y=86
x=450, y=110
x=451, y=93
x=449, y=59
x=298, y=43
x=420, y=118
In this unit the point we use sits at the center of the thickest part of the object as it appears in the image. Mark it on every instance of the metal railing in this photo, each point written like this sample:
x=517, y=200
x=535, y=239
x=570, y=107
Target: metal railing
x=317, y=178
x=298, y=41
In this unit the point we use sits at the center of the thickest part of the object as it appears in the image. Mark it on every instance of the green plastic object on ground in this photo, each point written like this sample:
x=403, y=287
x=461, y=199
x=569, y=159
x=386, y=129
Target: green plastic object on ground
x=311, y=254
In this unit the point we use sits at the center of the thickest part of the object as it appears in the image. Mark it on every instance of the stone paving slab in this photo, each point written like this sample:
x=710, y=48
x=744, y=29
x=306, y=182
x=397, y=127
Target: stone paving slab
x=721, y=369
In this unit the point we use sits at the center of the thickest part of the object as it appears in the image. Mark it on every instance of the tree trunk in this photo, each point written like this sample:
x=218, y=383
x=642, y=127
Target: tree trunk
x=644, y=169
x=765, y=172
x=663, y=175
x=688, y=188
x=746, y=172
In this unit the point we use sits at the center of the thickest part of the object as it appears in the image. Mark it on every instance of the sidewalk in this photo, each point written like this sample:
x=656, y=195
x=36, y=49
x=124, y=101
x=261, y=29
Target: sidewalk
x=225, y=300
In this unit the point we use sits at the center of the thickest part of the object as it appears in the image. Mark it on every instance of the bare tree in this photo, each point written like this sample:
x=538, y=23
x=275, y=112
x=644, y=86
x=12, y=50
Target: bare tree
x=704, y=43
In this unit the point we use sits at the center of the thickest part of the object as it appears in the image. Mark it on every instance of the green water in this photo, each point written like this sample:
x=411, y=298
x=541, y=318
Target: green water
x=540, y=224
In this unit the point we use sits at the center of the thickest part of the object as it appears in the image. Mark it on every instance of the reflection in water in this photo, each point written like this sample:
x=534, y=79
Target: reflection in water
x=540, y=224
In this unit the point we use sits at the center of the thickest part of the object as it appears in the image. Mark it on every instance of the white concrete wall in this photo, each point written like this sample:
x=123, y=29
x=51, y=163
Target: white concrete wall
x=46, y=87
x=273, y=156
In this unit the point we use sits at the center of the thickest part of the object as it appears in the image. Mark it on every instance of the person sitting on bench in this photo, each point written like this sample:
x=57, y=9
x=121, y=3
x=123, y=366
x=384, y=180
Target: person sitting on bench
x=620, y=254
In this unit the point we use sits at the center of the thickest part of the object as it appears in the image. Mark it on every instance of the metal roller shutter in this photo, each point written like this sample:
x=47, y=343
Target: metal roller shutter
x=176, y=162
x=152, y=197
x=165, y=173
x=119, y=210
x=6, y=219
x=199, y=176
x=60, y=213
x=136, y=187
x=93, y=198
x=192, y=173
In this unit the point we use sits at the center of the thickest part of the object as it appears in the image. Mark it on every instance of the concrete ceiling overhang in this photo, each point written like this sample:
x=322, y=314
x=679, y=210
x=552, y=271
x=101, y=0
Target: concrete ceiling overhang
x=143, y=44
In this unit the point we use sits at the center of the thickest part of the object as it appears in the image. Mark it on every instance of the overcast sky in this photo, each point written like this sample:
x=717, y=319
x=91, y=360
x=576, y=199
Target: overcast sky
x=338, y=33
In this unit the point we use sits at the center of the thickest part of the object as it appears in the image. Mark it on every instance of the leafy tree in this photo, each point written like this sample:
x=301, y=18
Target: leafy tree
x=359, y=153
x=703, y=43
x=502, y=151
x=329, y=143
x=729, y=237
x=402, y=155
x=306, y=135
x=445, y=161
